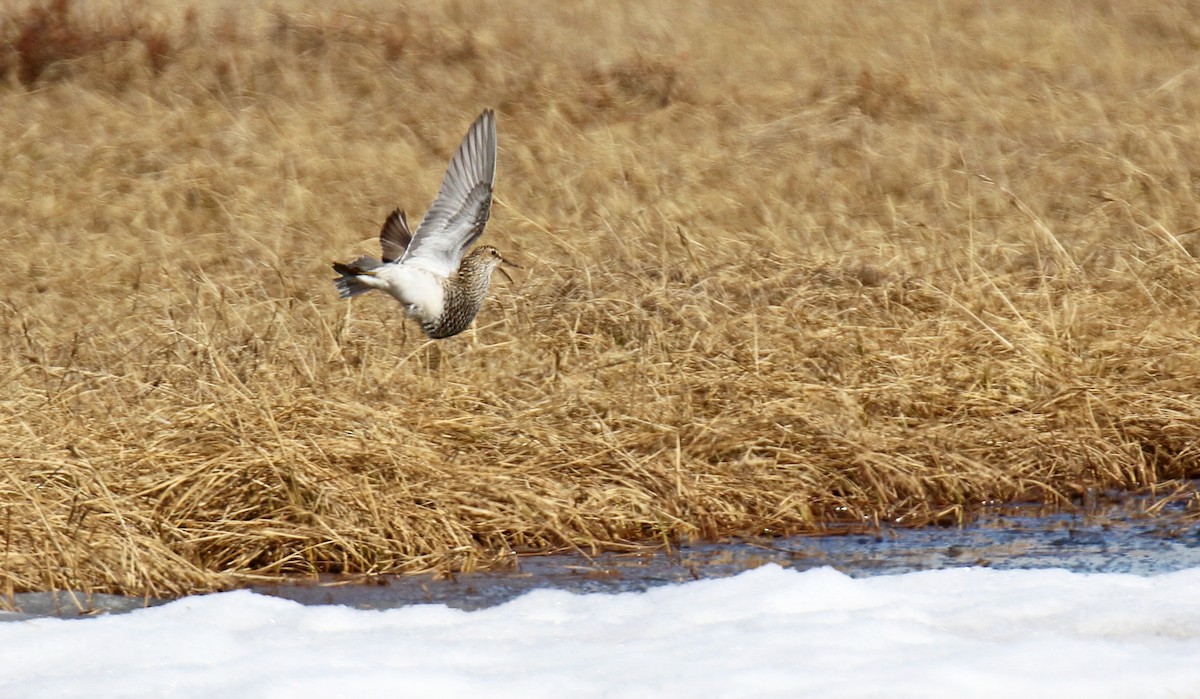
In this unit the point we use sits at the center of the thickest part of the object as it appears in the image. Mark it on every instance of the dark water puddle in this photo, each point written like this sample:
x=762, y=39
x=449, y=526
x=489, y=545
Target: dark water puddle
x=1128, y=535
x=1121, y=534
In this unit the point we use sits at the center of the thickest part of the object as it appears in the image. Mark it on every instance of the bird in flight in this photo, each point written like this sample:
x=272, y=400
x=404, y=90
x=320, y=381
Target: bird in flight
x=427, y=271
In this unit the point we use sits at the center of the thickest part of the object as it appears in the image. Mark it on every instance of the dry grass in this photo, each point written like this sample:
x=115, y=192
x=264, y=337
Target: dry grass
x=785, y=265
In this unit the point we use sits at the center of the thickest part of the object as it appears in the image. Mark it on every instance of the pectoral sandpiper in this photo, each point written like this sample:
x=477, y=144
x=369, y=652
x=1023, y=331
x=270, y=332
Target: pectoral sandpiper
x=427, y=271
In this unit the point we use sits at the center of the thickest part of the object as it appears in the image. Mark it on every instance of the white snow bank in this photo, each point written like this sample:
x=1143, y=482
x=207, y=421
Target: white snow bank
x=770, y=632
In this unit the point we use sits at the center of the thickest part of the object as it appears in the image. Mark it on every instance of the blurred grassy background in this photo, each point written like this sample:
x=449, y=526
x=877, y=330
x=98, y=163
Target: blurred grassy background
x=786, y=264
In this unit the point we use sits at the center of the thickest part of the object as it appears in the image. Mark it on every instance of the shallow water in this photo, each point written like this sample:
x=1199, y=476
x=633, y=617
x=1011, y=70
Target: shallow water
x=1123, y=534
x=1118, y=537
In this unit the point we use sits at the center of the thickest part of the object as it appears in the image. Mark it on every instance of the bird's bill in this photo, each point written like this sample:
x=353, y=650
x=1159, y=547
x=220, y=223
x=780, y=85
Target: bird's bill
x=508, y=263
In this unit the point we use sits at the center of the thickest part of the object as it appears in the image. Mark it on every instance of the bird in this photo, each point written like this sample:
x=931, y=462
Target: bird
x=441, y=286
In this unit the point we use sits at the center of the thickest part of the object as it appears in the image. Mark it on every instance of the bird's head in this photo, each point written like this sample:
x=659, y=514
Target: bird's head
x=489, y=258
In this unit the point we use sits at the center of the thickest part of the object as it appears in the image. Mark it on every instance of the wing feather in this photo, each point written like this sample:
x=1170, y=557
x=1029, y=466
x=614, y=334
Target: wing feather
x=457, y=217
x=395, y=236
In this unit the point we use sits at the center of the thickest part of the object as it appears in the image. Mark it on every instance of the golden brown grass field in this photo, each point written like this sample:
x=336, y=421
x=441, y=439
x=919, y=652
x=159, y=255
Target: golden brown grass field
x=786, y=264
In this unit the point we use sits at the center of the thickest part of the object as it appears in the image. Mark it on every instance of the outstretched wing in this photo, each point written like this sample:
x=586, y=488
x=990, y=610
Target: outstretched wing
x=394, y=236
x=456, y=218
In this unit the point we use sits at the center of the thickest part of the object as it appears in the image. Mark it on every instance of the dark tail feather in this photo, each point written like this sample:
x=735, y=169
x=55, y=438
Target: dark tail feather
x=349, y=283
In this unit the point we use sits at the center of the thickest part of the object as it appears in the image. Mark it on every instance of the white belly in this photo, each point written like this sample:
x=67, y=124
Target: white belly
x=419, y=290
